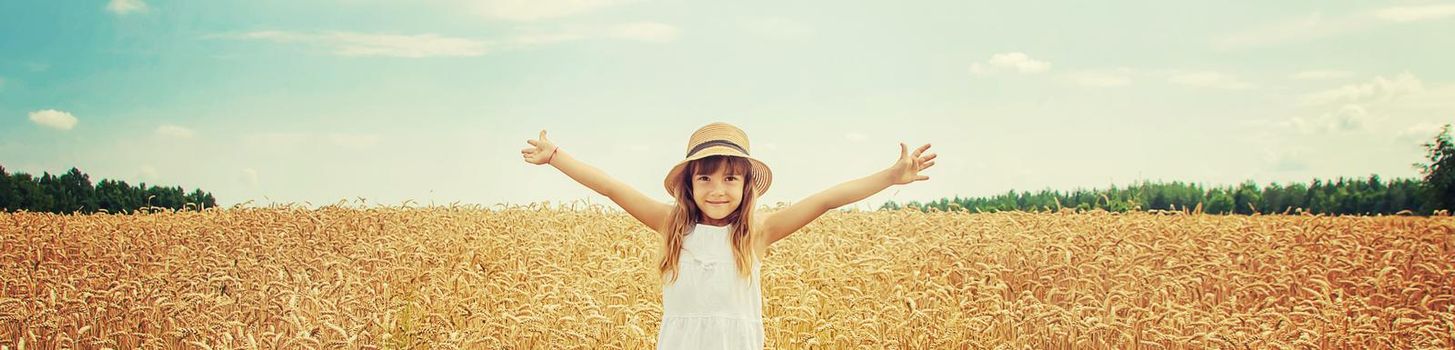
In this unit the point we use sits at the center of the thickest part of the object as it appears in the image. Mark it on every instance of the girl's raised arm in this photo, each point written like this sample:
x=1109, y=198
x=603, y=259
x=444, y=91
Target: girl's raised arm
x=781, y=223
x=650, y=212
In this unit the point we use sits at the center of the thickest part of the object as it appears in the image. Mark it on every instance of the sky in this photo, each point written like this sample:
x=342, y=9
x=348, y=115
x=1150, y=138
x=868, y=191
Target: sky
x=317, y=102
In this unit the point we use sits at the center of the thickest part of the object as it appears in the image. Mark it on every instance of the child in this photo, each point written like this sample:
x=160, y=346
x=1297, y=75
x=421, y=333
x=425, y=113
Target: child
x=714, y=226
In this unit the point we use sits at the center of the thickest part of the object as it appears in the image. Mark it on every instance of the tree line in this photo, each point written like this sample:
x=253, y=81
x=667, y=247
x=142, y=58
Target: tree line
x=1340, y=196
x=73, y=192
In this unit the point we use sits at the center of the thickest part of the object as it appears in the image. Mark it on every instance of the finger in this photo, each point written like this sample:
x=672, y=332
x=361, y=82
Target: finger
x=527, y=150
x=903, y=151
x=921, y=149
x=533, y=143
x=921, y=178
x=931, y=157
x=927, y=166
x=543, y=134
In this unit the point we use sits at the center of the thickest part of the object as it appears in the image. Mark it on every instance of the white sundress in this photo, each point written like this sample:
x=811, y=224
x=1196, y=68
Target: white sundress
x=709, y=306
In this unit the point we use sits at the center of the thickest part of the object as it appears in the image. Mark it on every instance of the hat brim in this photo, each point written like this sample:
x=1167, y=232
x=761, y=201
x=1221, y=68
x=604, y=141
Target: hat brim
x=762, y=175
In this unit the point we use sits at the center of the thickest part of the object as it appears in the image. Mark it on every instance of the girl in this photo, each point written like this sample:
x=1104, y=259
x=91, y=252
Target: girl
x=713, y=236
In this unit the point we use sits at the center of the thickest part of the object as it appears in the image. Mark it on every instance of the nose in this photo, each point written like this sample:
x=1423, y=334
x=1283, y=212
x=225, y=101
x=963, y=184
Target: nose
x=717, y=190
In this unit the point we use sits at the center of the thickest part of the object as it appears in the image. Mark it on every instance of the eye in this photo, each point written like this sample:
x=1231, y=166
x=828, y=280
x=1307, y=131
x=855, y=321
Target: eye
x=732, y=178
x=701, y=178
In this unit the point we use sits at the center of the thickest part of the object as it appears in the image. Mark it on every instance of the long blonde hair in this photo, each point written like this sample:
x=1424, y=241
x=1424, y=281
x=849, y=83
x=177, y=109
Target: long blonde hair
x=685, y=216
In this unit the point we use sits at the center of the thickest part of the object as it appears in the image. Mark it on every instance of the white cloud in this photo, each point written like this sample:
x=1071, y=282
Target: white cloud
x=170, y=130
x=1011, y=61
x=432, y=45
x=1312, y=26
x=639, y=31
x=645, y=31
x=292, y=141
x=1415, y=13
x=1284, y=160
x=147, y=173
x=425, y=45
x=392, y=45
x=532, y=39
x=249, y=177
x=1321, y=74
x=778, y=28
x=533, y=10
x=1349, y=117
x=1101, y=78
x=1420, y=133
x=123, y=7
x=274, y=35
x=1316, y=25
x=1379, y=88
x=1402, y=108
x=276, y=140
x=53, y=119
x=352, y=140
x=1209, y=80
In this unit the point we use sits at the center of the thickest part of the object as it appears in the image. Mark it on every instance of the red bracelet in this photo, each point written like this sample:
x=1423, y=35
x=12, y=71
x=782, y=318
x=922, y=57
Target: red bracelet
x=553, y=154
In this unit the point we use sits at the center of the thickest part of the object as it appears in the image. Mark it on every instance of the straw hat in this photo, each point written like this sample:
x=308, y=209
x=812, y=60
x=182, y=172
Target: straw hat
x=720, y=139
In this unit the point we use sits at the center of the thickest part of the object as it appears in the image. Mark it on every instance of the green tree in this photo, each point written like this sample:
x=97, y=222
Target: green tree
x=116, y=197
x=203, y=200
x=73, y=192
x=1246, y=198
x=1440, y=173
x=50, y=187
x=7, y=191
x=75, y=188
x=1219, y=202
x=28, y=193
x=1273, y=199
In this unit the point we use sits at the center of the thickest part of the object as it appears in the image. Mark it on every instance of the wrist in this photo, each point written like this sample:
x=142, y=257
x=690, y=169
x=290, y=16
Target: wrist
x=887, y=176
x=552, y=157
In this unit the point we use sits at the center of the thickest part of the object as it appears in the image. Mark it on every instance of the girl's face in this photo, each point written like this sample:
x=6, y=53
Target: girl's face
x=717, y=194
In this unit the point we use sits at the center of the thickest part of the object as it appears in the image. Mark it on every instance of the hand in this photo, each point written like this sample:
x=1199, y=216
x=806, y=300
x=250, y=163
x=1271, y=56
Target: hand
x=542, y=152
x=907, y=168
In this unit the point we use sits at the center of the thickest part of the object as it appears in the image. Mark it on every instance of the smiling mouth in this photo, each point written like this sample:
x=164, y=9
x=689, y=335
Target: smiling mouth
x=717, y=202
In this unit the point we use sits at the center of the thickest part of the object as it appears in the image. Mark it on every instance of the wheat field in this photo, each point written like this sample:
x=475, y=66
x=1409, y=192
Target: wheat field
x=538, y=276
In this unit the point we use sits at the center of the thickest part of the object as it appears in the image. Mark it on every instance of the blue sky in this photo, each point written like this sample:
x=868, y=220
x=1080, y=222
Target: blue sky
x=318, y=101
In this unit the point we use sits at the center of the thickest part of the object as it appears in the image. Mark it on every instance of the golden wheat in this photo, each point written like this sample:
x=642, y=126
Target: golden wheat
x=536, y=276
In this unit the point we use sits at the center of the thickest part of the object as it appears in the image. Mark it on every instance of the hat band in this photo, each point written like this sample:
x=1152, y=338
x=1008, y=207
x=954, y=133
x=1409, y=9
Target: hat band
x=716, y=143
